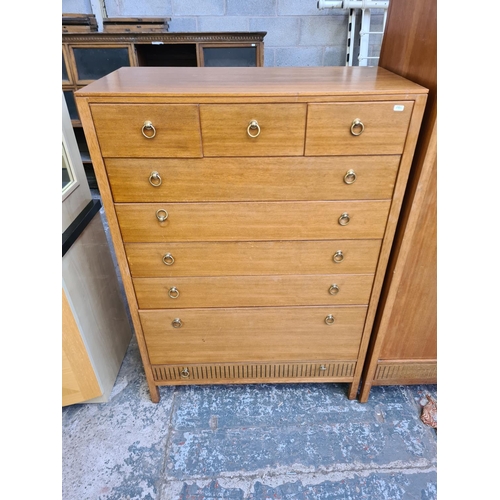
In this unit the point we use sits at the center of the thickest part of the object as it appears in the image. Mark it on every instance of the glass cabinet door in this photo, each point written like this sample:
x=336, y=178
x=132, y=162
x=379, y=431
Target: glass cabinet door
x=66, y=75
x=92, y=63
x=70, y=102
x=229, y=56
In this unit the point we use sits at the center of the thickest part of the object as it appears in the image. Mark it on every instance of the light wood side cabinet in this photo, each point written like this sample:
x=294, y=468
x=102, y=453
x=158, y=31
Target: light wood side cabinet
x=95, y=327
x=403, y=347
x=252, y=211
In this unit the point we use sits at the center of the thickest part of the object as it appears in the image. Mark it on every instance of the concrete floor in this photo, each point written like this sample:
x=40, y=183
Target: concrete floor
x=248, y=442
x=298, y=441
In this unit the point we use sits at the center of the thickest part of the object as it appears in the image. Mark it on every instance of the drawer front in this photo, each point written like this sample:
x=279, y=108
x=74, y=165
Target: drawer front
x=252, y=258
x=338, y=371
x=252, y=179
x=279, y=130
x=121, y=131
x=242, y=291
x=330, y=129
x=253, y=334
x=252, y=221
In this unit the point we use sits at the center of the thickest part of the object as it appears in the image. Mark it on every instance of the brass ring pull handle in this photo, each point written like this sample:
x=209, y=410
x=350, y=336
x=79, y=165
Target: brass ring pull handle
x=173, y=293
x=338, y=257
x=357, y=124
x=185, y=373
x=334, y=289
x=176, y=323
x=350, y=177
x=329, y=320
x=168, y=259
x=344, y=219
x=322, y=368
x=148, y=126
x=162, y=215
x=155, y=179
x=253, y=125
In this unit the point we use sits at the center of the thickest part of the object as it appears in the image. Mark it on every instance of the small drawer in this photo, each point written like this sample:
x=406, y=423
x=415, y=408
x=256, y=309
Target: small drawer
x=252, y=258
x=253, y=334
x=253, y=129
x=243, y=291
x=247, y=221
x=360, y=128
x=147, y=130
x=252, y=179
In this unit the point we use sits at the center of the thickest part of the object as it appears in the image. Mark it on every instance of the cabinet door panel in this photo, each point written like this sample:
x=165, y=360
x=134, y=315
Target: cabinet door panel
x=95, y=62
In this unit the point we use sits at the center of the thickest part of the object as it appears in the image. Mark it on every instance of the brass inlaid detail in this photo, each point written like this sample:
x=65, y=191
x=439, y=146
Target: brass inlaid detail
x=339, y=370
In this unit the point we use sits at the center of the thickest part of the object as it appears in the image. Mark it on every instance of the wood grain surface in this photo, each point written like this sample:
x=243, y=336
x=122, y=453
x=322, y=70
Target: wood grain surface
x=242, y=221
x=243, y=291
x=251, y=334
x=251, y=179
x=252, y=258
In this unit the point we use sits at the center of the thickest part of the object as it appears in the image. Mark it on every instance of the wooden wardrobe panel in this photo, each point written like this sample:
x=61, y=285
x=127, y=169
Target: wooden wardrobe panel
x=403, y=345
x=412, y=325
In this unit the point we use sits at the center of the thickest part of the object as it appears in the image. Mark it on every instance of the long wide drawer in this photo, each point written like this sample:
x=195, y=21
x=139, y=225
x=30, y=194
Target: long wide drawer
x=148, y=130
x=241, y=291
x=253, y=129
x=252, y=179
x=152, y=260
x=245, y=373
x=139, y=222
x=357, y=128
x=252, y=334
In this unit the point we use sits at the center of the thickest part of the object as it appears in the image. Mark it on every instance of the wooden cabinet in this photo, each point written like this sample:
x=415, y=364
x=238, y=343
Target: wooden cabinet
x=95, y=327
x=86, y=57
x=404, y=341
x=252, y=213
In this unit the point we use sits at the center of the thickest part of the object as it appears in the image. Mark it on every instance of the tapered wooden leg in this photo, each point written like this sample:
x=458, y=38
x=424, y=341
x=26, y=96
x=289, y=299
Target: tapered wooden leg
x=365, y=392
x=154, y=391
x=353, y=390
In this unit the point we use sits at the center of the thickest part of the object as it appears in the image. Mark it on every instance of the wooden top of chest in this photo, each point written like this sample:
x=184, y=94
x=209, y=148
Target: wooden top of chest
x=259, y=81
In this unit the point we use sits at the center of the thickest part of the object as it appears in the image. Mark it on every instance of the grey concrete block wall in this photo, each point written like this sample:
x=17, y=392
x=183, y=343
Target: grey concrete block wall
x=76, y=6
x=298, y=33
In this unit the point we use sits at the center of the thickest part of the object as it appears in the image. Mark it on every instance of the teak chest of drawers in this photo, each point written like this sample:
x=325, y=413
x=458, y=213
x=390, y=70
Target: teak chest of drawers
x=252, y=212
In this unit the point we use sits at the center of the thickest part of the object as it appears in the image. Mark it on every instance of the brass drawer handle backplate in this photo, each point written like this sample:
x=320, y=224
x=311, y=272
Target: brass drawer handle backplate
x=148, y=126
x=253, y=125
x=357, y=124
